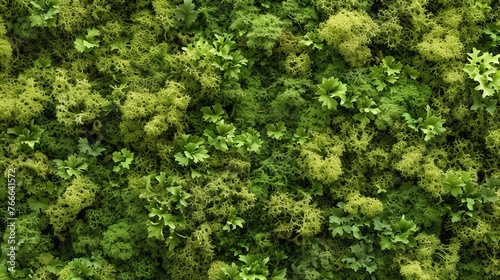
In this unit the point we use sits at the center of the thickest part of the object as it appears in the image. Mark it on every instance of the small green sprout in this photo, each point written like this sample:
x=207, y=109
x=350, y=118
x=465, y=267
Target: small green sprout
x=330, y=88
x=124, y=159
x=276, y=131
x=73, y=166
x=27, y=137
x=85, y=43
x=193, y=150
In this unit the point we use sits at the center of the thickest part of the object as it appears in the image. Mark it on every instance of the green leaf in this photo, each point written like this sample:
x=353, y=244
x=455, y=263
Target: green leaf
x=79, y=45
x=488, y=194
x=172, y=241
x=92, y=32
x=328, y=101
x=213, y=115
x=86, y=148
x=301, y=135
x=456, y=216
x=155, y=229
x=410, y=72
x=38, y=205
x=119, y=44
x=181, y=159
x=279, y=274
x=233, y=222
x=453, y=183
x=248, y=142
x=276, y=131
x=330, y=88
x=124, y=158
x=186, y=13
x=390, y=66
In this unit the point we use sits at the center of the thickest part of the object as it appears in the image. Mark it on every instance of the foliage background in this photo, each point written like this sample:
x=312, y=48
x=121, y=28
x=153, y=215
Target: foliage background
x=269, y=180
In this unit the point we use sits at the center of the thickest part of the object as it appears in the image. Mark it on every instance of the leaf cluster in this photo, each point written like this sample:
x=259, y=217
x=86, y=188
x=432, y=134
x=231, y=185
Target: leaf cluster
x=27, y=137
x=86, y=43
x=44, y=13
x=430, y=124
x=389, y=72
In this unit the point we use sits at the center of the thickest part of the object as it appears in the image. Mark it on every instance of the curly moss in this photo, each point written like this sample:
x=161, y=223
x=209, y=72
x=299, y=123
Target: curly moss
x=298, y=65
x=320, y=158
x=264, y=33
x=298, y=221
x=367, y=206
x=194, y=260
x=117, y=242
x=410, y=163
x=441, y=45
x=215, y=270
x=152, y=114
x=430, y=259
x=79, y=194
x=164, y=13
x=220, y=196
x=493, y=141
x=73, y=16
x=349, y=32
x=34, y=241
x=77, y=103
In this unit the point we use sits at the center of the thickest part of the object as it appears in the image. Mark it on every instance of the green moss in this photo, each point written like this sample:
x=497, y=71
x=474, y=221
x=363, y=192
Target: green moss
x=320, y=159
x=265, y=31
x=79, y=194
x=298, y=220
x=349, y=32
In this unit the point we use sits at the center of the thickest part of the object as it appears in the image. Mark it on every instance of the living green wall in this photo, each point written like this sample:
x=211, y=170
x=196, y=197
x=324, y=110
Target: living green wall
x=296, y=139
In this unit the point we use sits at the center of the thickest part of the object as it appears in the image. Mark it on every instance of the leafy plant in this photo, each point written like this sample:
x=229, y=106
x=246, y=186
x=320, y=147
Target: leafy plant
x=428, y=123
x=397, y=235
x=38, y=205
x=248, y=141
x=90, y=149
x=193, y=150
x=489, y=103
x=221, y=53
x=366, y=111
x=222, y=137
x=389, y=72
x=179, y=197
x=276, y=131
x=493, y=30
x=43, y=62
x=186, y=13
x=385, y=73
x=73, y=166
x=469, y=196
x=119, y=44
x=346, y=225
x=312, y=39
x=361, y=255
x=301, y=136
x=85, y=43
x=124, y=159
x=483, y=70
x=83, y=268
x=44, y=13
x=330, y=88
x=233, y=222
x=213, y=115
x=227, y=60
x=165, y=219
x=252, y=269
x=27, y=137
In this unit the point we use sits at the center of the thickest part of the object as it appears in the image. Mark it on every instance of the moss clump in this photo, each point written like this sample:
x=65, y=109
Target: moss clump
x=349, y=32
